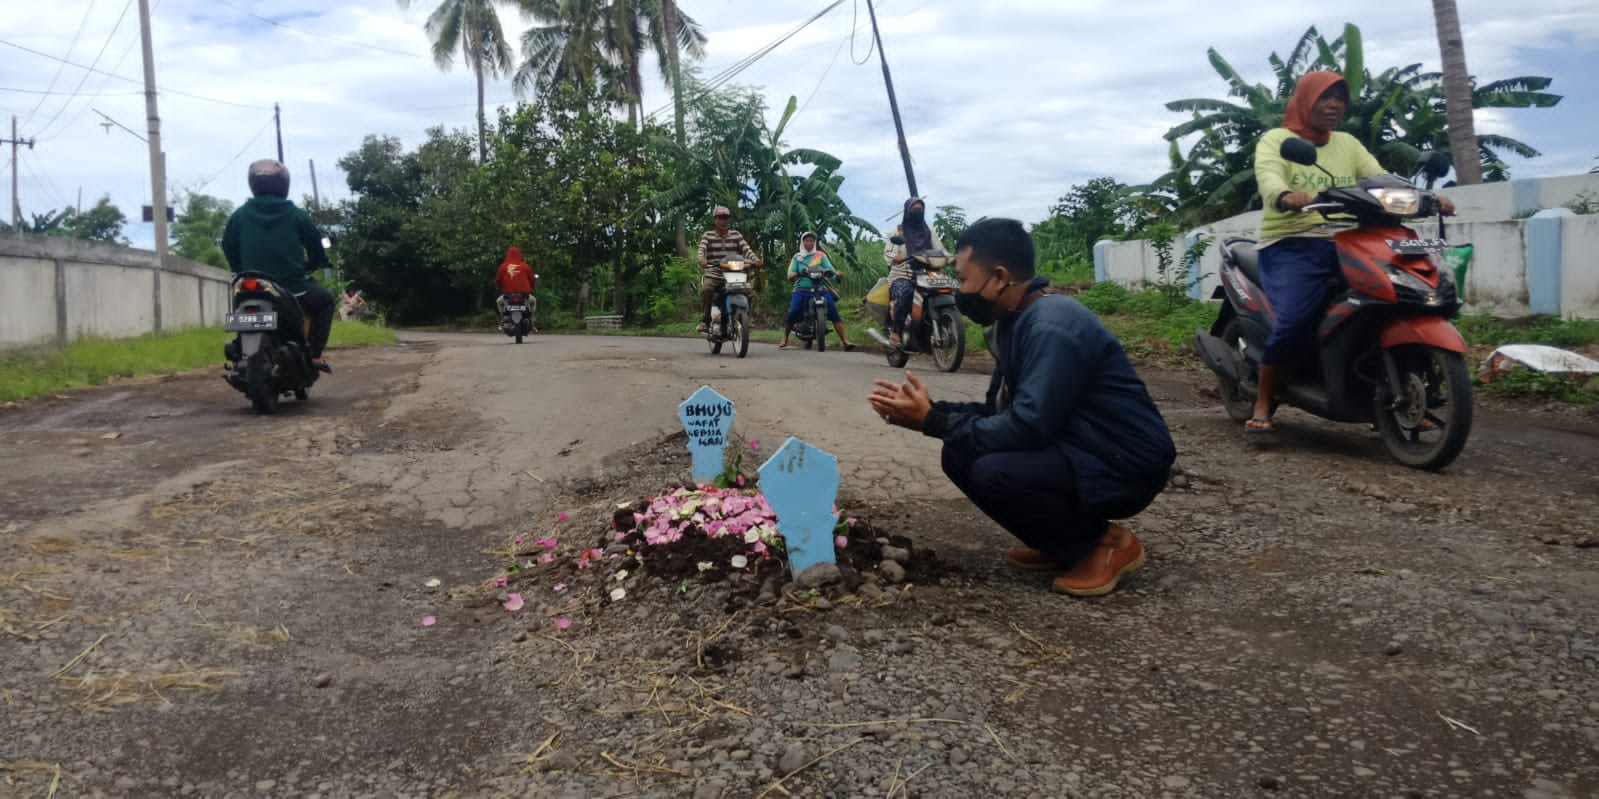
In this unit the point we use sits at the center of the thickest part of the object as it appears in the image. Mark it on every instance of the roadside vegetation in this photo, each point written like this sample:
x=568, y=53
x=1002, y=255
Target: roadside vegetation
x=93, y=361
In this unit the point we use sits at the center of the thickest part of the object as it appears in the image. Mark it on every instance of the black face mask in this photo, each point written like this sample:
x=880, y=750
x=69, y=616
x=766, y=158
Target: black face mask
x=915, y=216
x=976, y=307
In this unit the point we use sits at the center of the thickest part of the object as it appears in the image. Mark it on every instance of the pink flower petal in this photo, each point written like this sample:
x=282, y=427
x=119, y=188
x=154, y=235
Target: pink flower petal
x=841, y=542
x=545, y=542
x=755, y=444
x=513, y=602
x=429, y=621
x=559, y=587
x=741, y=481
x=517, y=541
x=501, y=581
x=561, y=517
x=563, y=623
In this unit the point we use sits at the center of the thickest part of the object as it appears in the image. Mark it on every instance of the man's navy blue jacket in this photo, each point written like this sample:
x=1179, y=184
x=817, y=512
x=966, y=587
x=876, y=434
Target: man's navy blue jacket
x=1062, y=380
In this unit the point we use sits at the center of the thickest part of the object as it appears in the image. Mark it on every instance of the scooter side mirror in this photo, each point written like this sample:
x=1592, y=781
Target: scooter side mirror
x=1435, y=165
x=1299, y=151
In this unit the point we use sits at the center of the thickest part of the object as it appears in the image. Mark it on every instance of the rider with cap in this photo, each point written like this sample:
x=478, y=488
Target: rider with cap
x=718, y=245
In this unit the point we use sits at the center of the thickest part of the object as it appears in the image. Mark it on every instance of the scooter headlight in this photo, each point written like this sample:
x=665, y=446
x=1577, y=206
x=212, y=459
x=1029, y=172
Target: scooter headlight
x=1399, y=202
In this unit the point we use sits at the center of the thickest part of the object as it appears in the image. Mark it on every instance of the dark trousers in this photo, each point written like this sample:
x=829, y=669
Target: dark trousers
x=901, y=293
x=708, y=291
x=318, y=303
x=1297, y=274
x=1034, y=495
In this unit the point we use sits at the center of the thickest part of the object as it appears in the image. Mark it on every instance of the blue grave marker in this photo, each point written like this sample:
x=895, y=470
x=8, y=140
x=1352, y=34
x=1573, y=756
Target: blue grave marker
x=801, y=483
x=706, y=417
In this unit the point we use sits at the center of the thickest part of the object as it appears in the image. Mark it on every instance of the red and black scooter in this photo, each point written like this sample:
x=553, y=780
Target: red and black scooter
x=1387, y=352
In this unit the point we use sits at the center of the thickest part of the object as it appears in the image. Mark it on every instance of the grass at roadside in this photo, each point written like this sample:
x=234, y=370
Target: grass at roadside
x=92, y=361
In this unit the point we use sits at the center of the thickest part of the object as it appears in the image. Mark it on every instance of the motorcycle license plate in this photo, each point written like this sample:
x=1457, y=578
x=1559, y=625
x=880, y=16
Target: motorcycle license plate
x=1417, y=246
x=246, y=322
x=938, y=282
x=737, y=278
x=517, y=309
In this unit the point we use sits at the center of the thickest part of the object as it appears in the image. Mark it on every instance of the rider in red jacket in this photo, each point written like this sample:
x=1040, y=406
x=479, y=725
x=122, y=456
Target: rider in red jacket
x=515, y=277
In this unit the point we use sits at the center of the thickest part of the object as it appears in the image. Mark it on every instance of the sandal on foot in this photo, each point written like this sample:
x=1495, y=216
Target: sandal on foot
x=850, y=348
x=1260, y=425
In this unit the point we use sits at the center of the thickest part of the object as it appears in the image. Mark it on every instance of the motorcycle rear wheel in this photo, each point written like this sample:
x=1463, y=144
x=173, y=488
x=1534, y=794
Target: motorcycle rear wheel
x=1238, y=402
x=258, y=383
x=819, y=329
x=1435, y=387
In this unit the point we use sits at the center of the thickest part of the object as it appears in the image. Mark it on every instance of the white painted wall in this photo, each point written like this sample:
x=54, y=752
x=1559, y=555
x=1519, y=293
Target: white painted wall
x=109, y=291
x=1491, y=217
x=1579, y=264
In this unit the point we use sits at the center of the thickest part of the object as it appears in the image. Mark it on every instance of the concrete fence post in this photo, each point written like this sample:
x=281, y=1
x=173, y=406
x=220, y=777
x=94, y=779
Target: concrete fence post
x=1101, y=265
x=1543, y=260
x=61, y=302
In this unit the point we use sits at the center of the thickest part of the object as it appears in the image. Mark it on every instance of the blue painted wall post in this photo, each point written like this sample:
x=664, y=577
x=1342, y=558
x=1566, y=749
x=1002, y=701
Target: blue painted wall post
x=1543, y=260
x=1524, y=197
x=1190, y=239
x=801, y=483
x=706, y=417
x=1101, y=267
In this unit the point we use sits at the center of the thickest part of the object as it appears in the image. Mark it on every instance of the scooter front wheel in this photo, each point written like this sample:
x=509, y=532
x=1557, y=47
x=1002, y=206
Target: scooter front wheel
x=1427, y=425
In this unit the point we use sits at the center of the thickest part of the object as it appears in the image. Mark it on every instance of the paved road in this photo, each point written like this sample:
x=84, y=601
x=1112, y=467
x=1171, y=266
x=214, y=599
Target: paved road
x=1315, y=621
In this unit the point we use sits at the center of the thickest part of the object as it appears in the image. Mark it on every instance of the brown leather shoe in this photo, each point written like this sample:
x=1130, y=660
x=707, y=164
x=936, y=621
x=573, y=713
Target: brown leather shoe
x=1031, y=560
x=1098, y=573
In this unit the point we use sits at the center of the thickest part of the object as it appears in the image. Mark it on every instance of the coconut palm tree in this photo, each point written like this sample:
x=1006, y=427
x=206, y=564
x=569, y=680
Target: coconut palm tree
x=473, y=27
x=1457, y=92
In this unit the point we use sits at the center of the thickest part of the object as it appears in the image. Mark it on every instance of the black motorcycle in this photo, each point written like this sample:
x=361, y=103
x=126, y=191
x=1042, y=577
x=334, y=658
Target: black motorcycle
x=935, y=326
x=812, y=324
x=270, y=356
x=730, y=310
x=517, y=320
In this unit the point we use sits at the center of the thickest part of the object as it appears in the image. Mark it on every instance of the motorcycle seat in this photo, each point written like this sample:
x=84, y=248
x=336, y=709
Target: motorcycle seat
x=1243, y=252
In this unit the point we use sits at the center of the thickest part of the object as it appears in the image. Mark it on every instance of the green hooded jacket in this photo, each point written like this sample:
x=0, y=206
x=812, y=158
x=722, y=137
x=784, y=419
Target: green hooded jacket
x=270, y=235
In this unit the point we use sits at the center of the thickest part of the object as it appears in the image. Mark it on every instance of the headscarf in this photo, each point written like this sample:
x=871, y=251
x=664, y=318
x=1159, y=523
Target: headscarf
x=513, y=256
x=802, y=249
x=918, y=236
x=1300, y=107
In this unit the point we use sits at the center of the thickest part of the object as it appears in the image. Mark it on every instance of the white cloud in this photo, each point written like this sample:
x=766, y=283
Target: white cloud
x=1007, y=103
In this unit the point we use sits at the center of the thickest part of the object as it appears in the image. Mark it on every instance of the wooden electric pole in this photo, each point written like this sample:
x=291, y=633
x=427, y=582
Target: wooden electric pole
x=277, y=122
x=16, y=198
x=893, y=104
x=158, y=160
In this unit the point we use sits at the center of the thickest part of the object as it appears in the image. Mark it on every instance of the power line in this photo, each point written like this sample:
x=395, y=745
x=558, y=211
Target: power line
x=854, y=28
x=82, y=23
x=721, y=78
x=236, y=157
x=95, y=63
x=101, y=92
x=133, y=80
x=38, y=91
x=41, y=183
x=287, y=27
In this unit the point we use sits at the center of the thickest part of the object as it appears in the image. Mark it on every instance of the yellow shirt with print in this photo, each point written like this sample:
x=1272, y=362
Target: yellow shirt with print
x=1342, y=155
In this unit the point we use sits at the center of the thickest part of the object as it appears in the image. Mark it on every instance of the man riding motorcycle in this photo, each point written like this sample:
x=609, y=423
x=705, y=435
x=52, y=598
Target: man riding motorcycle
x=1298, y=259
x=718, y=245
x=271, y=236
x=810, y=255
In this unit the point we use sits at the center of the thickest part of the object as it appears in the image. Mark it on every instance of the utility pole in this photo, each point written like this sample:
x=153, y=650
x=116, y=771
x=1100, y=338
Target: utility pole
x=277, y=122
x=893, y=104
x=158, y=159
x=16, y=199
x=316, y=197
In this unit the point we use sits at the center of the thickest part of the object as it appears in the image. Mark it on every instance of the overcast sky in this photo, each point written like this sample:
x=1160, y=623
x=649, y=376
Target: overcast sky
x=1007, y=103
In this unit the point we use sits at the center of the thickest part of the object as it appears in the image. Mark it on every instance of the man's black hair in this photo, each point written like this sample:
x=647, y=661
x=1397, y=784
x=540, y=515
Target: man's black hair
x=999, y=242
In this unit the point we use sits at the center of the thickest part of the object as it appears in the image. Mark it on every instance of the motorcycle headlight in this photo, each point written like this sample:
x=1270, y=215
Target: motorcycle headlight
x=1399, y=202
x=1416, y=286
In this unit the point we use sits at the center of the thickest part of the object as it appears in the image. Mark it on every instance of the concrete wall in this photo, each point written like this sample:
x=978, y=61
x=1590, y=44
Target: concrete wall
x=1530, y=255
x=53, y=291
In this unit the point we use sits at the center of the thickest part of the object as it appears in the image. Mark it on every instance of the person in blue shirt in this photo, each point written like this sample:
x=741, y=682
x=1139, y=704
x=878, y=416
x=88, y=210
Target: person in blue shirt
x=1068, y=438
x=810, y=255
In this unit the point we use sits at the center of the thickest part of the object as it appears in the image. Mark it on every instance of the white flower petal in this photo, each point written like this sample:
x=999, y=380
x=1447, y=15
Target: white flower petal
x=706, y=565
x=739, y=561
x=618, y=594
